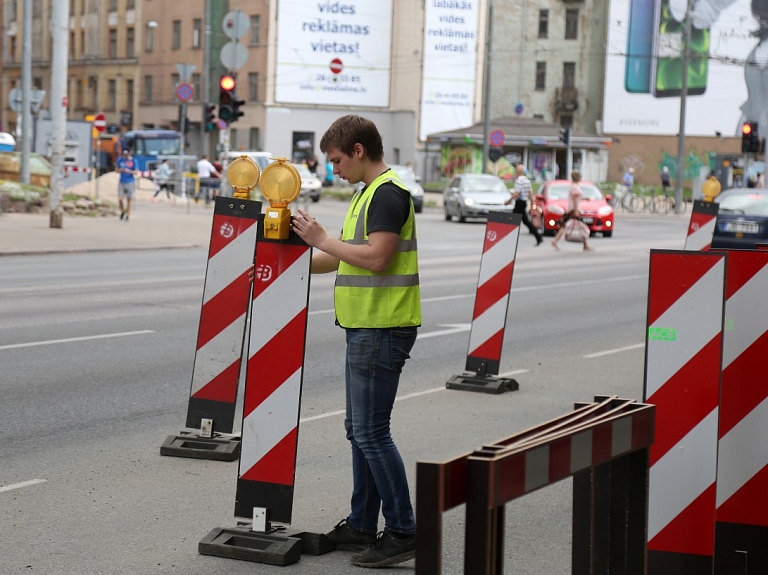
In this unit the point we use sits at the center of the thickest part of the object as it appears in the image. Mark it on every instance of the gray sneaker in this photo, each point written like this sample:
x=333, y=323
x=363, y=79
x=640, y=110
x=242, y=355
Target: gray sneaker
x=347, y=538
x=386, y=550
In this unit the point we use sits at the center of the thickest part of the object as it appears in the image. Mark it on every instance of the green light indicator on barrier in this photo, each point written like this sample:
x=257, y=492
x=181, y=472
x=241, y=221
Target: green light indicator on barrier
x=728, y=324
x=662, y=333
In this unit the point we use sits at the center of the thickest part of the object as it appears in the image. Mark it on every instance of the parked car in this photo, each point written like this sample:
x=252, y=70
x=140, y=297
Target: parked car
x=742, y=219
x=551, y=203
x=412, y=182
x=310, y=183
x=474, y=195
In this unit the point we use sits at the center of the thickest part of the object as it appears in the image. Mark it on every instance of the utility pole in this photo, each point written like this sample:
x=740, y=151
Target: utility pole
x=205, y=136
x=26, y=92
x=683, y=97
x=487, y=88
x=58, y=106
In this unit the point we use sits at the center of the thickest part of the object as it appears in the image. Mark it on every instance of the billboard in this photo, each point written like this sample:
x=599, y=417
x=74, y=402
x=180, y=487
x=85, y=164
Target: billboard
x=727, y=75
x=450, y=55
x=334, y=53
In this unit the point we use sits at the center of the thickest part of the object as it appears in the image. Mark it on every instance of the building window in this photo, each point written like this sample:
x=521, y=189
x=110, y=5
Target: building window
x=12, y=49
x=113, y=43
x=253, y=87
x=197, y=32
x=148, y=88
x=71, y=45
x=113, y=5
x=543, y=23
x=255, y=34
x=175, y=80
x=176, y=35
x=538, y=116
x=566, y=121
x=150, y=45
x=253, y=139
x=541, y=76
x=129, y=94
x=196, y=86
x=82, y=42
x=130, y=43
x=572, y=24
x=80, y=104
x=569, y=74
x=94, y=85
x=112, y=95
x=130, y=4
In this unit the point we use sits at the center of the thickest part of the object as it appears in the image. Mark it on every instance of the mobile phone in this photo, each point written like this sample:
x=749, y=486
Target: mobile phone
x=640, y=37
x=667, y=71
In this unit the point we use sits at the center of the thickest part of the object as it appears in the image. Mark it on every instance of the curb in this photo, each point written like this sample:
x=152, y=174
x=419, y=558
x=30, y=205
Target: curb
x=49, y=251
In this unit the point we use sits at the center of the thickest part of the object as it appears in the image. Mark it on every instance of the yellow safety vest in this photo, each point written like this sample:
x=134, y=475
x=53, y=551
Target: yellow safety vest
x=391, y=298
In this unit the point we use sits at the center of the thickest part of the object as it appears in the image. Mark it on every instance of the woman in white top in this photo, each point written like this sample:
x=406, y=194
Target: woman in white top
x=575, y=196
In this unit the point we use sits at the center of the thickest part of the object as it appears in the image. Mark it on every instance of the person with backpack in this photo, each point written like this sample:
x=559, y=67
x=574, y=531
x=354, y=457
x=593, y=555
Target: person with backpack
x=572, y=217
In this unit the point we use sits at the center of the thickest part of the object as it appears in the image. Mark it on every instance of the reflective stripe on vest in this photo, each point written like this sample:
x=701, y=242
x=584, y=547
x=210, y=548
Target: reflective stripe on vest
x=366, y=299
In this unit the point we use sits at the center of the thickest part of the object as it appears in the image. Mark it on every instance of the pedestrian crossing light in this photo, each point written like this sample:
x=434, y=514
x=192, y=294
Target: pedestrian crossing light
x=210, y=117
x=226, y=98
x=565, y=136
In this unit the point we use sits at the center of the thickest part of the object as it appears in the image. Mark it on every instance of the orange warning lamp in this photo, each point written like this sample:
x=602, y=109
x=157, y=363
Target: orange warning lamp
x=280, y=184
x=711, y=188
x=243, y=175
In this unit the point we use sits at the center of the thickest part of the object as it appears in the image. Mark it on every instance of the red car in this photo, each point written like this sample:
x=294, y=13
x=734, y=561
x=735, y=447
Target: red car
x=551, y=203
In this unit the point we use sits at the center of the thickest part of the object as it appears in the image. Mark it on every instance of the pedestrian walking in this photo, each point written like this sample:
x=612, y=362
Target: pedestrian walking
x=522, y=192
x=665, y=179
x=126, y=187
x=377, y=303
x=205, y=171
x=629, y=178
x=162, y=175
x=575, y=196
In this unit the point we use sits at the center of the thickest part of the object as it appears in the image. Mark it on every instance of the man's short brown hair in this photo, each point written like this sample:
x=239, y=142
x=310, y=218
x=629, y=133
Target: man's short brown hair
x=349, y=130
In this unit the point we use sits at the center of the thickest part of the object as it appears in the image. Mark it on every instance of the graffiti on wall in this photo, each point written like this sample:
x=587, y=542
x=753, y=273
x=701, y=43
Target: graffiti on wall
x=694, y=161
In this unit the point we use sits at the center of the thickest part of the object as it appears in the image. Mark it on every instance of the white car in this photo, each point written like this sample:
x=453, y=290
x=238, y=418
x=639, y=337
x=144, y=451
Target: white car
x=310, y=183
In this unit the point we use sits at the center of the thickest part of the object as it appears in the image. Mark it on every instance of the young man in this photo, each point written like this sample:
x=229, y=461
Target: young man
x=126, y=188
x=378, y=303
x=205, y=170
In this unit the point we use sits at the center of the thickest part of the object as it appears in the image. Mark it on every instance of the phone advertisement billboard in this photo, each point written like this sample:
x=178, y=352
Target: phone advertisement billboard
x=333, y=53
x=727, y=72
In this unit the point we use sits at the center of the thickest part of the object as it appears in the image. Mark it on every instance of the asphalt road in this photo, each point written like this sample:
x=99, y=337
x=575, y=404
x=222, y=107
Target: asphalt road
x=97, y=350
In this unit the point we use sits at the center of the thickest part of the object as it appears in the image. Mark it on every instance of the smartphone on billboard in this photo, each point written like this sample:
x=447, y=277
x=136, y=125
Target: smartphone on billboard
x=667, y=71
x=640, y=39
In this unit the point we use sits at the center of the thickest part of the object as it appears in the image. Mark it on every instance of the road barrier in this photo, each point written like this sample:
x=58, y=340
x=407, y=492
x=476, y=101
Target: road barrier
x=603, y=445
x=682, y=378
x=741, y=528
x=219, y=350
x=490, y=312
x=701, y=226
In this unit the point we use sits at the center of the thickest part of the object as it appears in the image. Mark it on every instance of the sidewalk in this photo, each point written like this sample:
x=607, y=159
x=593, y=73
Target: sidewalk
x=153, y=225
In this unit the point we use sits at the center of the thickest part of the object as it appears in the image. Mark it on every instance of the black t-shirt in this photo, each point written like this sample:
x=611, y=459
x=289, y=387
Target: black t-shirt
x=389, y=209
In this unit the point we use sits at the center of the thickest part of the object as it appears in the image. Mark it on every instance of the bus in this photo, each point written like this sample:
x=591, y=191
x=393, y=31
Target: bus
x=149, y=147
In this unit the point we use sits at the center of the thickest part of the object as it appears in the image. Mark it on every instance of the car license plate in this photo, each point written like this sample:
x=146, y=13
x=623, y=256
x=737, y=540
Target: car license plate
x=587, y=220
x=742, y=227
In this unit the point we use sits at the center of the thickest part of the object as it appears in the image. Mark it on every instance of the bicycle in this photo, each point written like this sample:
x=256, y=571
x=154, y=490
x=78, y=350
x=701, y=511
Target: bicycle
x=660, y=204
x=629, y=200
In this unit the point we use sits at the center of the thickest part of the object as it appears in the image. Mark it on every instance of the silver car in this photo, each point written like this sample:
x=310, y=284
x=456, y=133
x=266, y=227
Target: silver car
x=412, y=182
x=474, y=195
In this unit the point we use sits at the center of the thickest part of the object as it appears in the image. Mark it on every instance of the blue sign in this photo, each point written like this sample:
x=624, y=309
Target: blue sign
x=497, y=138
x=185, y=91
x=539, y=142
x=518, y=108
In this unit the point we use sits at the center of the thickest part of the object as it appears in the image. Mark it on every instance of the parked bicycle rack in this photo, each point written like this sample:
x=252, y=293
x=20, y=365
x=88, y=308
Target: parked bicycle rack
x=603, y=445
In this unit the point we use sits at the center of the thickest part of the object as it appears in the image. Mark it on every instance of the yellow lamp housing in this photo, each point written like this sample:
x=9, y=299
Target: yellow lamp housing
x=280, y=184
x=243, y=175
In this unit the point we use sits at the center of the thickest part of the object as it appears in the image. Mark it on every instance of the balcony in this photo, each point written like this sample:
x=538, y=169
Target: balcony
x=567, y=98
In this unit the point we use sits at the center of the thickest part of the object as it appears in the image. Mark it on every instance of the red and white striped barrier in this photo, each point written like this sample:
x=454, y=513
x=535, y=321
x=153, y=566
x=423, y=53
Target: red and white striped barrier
x=682, y=378
x=77, y=169
x=489, y=317
x=273, y=378
x=223, y=315
x=145, y=174
x=742, y=461
x=701, y=227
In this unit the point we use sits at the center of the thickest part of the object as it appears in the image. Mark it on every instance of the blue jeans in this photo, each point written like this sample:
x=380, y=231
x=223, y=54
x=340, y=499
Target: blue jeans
x=375, y=358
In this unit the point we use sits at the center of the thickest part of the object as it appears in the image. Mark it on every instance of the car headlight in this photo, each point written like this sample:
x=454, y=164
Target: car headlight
x=468, y=201
x=605, y=211
x=556, y=210
x=417, y=191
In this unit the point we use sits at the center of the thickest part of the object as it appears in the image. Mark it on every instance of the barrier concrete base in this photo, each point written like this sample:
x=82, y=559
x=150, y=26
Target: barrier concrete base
x=188, y=444
x=277, y=547
x=484, y=384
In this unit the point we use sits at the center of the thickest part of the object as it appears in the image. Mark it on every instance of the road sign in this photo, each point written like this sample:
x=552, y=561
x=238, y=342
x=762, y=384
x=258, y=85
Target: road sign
x=336, y=66
x=185, y=91
x=185, y=71
x=236, y=24
x=518, y=108
x=497, y=138
x=14, y=100
x=99, y=122
x=494, y=154
x=233, y=55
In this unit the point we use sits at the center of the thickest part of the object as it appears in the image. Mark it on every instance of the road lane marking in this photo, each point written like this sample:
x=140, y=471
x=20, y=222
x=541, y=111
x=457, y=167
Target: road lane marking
x=72, y=339
x=612, y=351
x=452, y=328
x=398, y=398
x=21, y=484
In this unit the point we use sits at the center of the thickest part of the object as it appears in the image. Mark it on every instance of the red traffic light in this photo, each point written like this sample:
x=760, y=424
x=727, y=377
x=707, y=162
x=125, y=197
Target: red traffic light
x=227, y=83
x=746, y=129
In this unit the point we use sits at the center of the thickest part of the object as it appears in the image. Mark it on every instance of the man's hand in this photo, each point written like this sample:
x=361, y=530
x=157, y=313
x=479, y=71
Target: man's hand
x=307, y=228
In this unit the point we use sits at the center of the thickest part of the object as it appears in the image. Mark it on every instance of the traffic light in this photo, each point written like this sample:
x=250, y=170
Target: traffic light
x=565, y=136
x=754, y=142
x=748, y=129
x=210, y=117
x=229, y=103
